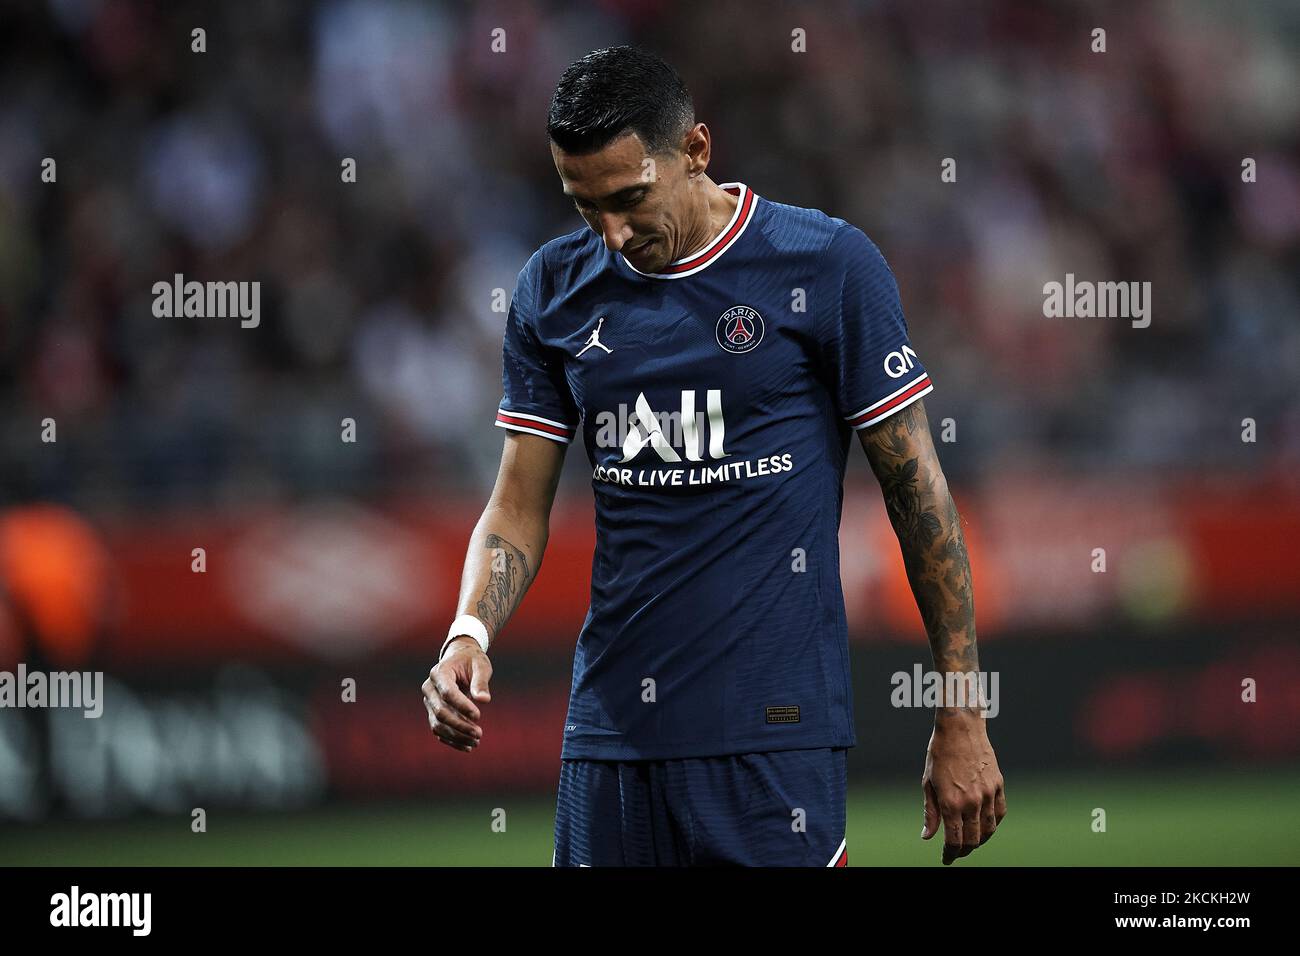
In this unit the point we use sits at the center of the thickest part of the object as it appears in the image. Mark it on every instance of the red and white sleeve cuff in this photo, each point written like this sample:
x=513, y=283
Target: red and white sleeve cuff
x=879, y=411
x=535, y=425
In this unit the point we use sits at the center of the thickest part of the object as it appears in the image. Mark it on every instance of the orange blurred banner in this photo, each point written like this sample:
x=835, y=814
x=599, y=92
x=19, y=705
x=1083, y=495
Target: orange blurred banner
x=340, y=580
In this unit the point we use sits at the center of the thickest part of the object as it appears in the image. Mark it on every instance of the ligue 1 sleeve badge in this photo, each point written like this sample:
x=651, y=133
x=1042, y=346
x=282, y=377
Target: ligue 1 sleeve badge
x=740, y=329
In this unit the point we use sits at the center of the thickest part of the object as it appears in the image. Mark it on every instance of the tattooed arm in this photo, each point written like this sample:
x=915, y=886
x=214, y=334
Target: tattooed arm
x=505, y=550
x=925, y=519
x=962, y=783
x=504, y=555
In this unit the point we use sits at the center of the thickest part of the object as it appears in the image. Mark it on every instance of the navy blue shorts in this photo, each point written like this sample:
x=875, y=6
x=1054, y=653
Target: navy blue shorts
x=784, y=808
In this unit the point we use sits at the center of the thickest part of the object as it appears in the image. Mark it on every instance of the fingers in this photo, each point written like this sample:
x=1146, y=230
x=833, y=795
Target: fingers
x=994, y=810
x=951, y=840
x=930, y=822
x=452, y=715
x=448, y=715
x=447, y=682
x=969, y=822
x=960, y=818
x=951, y=821
x=988, y=823
x=478, y=682
x=445, y=732
x=970, y=830
x=991, y=812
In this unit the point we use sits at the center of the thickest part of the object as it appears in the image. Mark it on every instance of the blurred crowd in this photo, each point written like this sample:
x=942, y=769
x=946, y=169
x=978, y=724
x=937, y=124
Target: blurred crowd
x=377, y=296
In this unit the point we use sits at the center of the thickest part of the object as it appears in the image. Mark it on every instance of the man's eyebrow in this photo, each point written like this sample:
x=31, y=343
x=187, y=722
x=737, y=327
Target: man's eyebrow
x=617, y=194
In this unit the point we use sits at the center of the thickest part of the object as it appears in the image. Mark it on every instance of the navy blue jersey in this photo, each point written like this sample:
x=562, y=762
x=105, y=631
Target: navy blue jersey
x=716, y=401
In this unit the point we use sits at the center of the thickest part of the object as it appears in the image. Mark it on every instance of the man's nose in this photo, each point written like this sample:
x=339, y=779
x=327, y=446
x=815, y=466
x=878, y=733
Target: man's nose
x=615, y=231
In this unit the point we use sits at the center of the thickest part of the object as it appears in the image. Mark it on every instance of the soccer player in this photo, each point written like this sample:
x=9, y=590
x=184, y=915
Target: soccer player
x=716, y=350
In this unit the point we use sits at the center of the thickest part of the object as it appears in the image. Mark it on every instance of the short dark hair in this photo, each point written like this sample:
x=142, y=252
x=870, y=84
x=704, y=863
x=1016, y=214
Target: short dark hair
x=618, y=90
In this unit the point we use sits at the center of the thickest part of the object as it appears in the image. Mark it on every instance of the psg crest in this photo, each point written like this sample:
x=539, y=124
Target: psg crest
x=739, y=329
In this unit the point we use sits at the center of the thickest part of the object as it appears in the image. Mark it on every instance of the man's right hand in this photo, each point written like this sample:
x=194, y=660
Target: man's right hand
x=454, y=716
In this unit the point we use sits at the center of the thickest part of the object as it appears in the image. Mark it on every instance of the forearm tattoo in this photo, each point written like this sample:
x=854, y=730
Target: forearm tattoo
x=506, y=584
x=929, y=533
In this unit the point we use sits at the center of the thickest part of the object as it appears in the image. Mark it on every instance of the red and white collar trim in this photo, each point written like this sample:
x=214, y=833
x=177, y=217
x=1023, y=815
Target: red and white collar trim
x=720, y=243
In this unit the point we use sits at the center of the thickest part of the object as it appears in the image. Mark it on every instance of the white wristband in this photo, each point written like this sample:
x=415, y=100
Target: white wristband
x=467, y=625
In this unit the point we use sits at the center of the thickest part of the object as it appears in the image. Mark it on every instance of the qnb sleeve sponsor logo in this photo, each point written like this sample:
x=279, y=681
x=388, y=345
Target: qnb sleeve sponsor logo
x=665, y=433
x=898, y=364
x=75, y=908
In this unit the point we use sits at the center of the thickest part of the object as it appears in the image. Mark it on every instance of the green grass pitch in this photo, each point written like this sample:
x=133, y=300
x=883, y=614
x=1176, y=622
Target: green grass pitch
x=1223, y=818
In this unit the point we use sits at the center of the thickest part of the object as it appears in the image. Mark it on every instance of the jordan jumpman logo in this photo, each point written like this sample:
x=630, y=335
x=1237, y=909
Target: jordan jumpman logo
x=595, y=338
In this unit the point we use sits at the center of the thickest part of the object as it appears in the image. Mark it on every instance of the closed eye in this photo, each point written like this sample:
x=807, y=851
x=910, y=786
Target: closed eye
x=631, y=202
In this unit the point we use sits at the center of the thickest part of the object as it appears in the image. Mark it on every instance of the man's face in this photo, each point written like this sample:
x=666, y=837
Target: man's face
x=631, y=200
